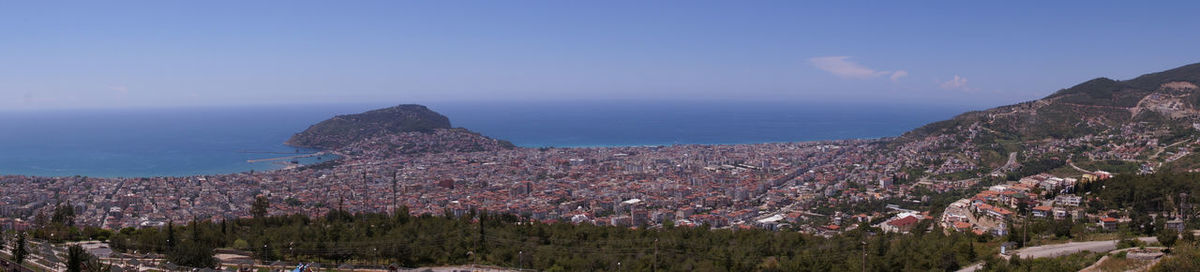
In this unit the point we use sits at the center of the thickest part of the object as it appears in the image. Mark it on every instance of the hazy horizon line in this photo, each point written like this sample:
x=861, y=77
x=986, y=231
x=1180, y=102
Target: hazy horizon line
x=433, y=103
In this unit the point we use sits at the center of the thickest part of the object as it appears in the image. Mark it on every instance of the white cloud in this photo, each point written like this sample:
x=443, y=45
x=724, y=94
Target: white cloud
x=958, y=83
x=841, y=66
x=899, y=74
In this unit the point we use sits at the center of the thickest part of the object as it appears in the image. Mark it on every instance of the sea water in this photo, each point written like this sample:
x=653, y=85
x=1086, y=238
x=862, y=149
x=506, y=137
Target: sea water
x=218, y=140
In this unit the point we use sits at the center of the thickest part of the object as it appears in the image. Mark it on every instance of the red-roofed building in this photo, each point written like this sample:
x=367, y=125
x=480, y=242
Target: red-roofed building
x=1108, y=223
x=983, y=207
x=962, y=226
x=901, y=225
x=1042, y=211
x=999, y=213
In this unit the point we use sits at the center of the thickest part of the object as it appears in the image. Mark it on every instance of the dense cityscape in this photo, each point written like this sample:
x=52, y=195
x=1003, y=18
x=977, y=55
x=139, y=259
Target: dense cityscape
x=804, y=185
x=721, y=185
x=823, y=188
x=302, y=136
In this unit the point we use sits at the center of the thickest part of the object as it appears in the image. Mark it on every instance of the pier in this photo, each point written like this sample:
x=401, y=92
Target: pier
x=269, y=152
x=322, y=153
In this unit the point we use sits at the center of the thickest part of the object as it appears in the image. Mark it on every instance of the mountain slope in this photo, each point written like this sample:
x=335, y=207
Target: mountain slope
x=1089, y=107
x=1136, y=119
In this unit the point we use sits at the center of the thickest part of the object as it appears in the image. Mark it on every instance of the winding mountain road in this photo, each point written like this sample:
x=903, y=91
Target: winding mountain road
x=1056, y=250
x=1071, y=248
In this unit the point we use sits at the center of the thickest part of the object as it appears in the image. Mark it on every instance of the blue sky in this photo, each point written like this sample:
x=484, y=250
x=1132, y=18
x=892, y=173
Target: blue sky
x=118, y=54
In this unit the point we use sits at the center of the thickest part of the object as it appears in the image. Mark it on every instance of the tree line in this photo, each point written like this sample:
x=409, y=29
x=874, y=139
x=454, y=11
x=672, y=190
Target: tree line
x=379, y=239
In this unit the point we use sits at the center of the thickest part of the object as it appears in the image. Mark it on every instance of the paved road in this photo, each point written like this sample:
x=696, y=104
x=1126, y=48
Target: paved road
x=1072, y=164
x=971, y=268
x=1070, y=248
x=1009, y=165
x=1061, y=249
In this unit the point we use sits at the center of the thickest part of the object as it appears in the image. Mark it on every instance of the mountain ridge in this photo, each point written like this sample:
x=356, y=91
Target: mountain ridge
x=1163, y=105
x=346, y=129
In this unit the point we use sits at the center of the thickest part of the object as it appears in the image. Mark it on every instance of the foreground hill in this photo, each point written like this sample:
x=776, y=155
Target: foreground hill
x=1137, y=121
x=343, y=130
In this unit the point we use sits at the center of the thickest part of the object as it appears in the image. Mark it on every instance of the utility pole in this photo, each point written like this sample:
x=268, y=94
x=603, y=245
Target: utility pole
x=654, y=267
x=864, y=254
x=1025, y=234
x=482, y=235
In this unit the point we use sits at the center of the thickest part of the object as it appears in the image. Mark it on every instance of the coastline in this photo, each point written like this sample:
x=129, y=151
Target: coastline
x=145, y=143
x=321, y=156
x=885, y=138
x=267, y=164
x=276, y=163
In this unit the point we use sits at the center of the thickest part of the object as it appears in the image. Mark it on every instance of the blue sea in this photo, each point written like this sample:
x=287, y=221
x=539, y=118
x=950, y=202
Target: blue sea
x=217, y=140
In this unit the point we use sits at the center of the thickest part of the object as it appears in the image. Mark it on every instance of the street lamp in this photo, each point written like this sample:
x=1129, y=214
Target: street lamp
x=265, y=253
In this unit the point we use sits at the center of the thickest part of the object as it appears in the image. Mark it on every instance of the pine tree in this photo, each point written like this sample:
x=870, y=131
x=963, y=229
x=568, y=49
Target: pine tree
x=19, y=252
x=41, y=219
x=260, y=206
x=170, y=235
x=93, y=264
x=192, y=254
x=195, y=230
x=1167, y=237
x=75, y=258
